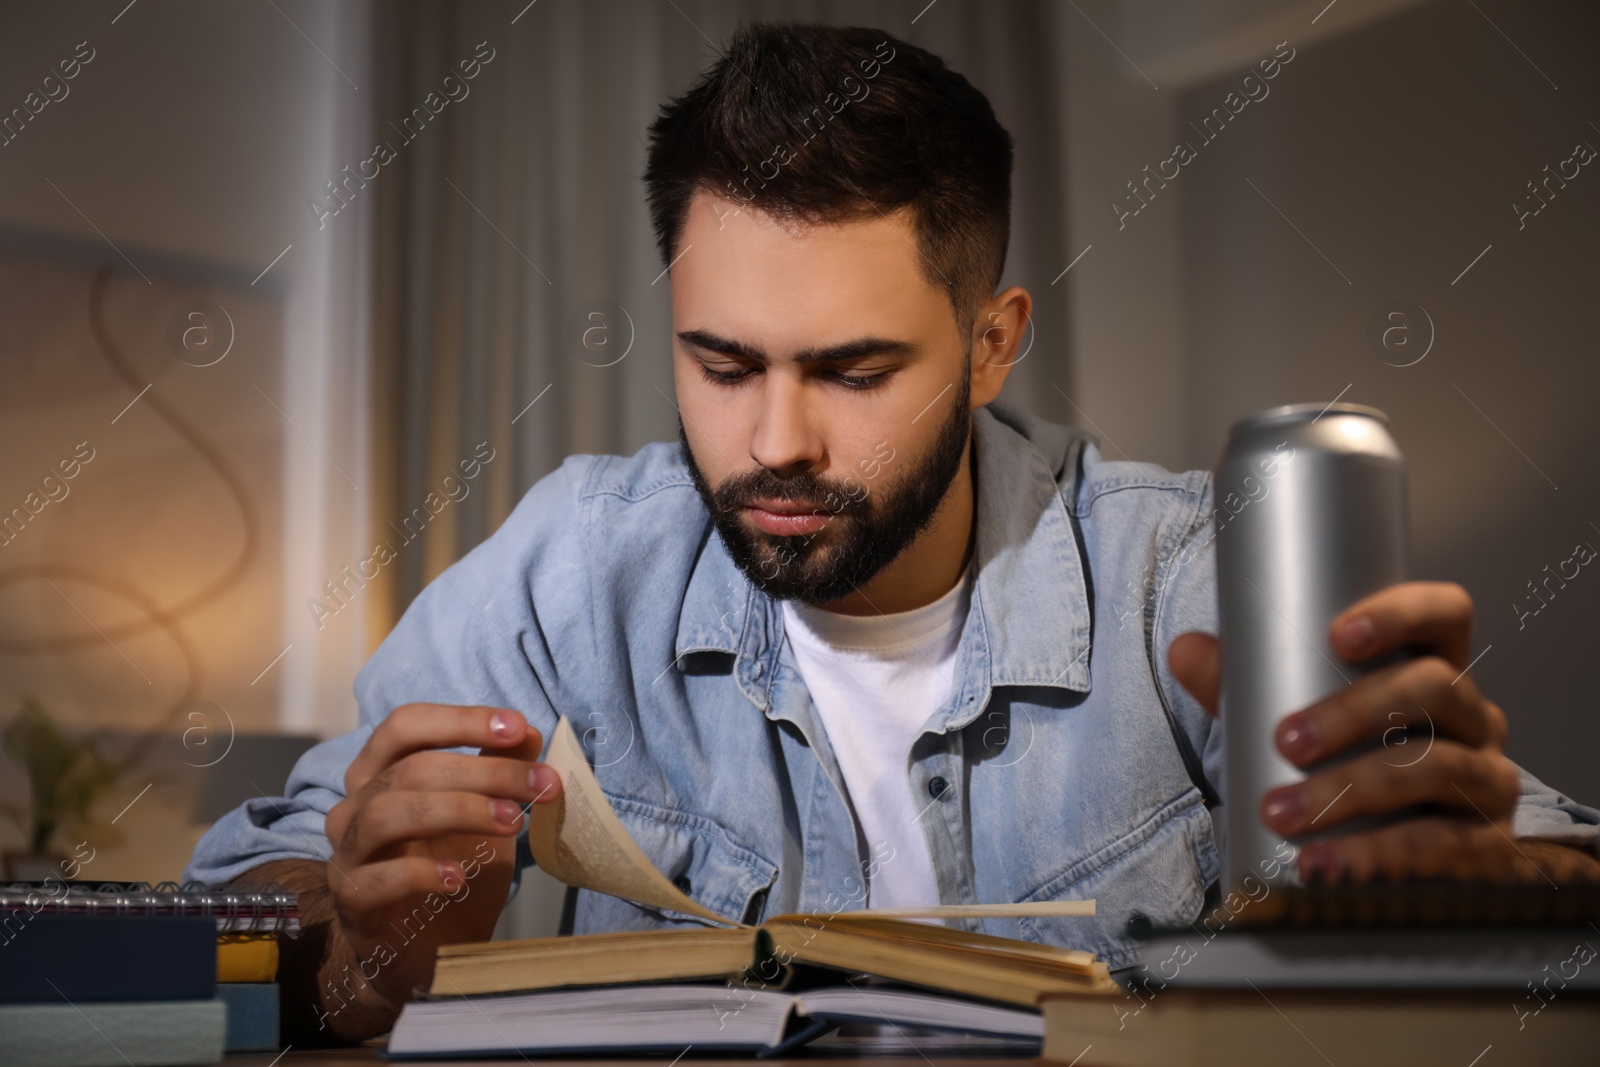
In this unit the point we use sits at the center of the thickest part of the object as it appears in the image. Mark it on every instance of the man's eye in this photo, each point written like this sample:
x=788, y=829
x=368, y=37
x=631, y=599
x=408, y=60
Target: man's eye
x=726, y=377
x=862, y=381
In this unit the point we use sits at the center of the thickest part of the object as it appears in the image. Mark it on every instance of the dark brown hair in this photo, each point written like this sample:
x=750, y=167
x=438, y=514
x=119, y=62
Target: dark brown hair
x=816, y=123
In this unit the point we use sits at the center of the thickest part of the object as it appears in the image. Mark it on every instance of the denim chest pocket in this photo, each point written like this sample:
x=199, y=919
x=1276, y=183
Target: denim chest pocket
x=698, y=855
x=1154, y=876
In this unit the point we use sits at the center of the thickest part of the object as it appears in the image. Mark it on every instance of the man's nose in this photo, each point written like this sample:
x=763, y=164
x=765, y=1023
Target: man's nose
x=784, y=437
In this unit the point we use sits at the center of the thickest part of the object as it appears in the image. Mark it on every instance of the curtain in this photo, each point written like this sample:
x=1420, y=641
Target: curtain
x=510, y=212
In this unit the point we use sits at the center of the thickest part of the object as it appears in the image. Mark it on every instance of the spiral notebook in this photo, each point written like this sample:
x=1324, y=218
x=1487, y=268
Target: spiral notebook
x=102, y=942
x=1421, y=935
x=263, y=910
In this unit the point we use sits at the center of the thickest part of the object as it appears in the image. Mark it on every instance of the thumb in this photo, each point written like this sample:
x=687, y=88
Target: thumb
x=1195, y=662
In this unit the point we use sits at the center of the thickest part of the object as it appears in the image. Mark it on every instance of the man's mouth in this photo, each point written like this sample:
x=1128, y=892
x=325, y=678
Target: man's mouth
x=787, y=518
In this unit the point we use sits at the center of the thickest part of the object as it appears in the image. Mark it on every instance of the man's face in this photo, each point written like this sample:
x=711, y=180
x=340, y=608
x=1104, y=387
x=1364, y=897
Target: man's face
x=823, y=386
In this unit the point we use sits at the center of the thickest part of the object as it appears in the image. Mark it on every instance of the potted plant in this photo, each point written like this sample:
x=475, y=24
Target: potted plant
x=66, y=776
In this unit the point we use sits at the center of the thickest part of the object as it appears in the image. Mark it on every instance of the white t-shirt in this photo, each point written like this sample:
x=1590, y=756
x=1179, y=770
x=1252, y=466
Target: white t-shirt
x=875, y=680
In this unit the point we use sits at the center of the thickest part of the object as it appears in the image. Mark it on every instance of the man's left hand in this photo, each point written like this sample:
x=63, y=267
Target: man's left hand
x=1440, y=750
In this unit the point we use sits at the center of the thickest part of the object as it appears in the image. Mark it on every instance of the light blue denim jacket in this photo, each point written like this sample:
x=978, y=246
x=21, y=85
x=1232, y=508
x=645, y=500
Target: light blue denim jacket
x=1073, y=765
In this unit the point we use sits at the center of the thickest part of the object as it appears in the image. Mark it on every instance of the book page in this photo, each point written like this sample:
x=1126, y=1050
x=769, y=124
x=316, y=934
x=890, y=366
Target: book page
x=580, y=840
x=982, y=911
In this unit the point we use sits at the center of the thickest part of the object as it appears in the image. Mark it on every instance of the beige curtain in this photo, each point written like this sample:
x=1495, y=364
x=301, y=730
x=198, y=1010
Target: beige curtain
x=511, y=214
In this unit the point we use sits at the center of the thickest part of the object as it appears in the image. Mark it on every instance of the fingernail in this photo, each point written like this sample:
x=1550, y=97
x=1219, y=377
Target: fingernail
x=1299, y=738
x=507, y=812
x=449, y=873
x=501, y=725
x=1357, y=635
x=540, y=779
x=1284, y=809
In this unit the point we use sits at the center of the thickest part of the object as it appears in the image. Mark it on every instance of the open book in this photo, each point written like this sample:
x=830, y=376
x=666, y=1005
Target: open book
x=951, y=961
x=578, y=839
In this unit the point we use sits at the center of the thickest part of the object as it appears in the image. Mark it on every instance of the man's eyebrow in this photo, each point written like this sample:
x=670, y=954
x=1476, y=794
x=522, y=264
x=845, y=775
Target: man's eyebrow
x=854, y=349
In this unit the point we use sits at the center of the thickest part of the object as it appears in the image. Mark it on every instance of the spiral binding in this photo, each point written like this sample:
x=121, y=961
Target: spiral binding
x=239, y=911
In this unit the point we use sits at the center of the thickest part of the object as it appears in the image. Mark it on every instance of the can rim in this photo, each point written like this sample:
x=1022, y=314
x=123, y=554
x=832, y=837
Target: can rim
x=1292, y=412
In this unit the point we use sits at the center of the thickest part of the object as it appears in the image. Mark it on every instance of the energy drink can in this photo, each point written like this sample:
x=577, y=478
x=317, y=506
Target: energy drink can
x=1311, y=516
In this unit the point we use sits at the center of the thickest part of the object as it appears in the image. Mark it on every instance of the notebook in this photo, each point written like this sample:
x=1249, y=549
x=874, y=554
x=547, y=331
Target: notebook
x=170, y=942
x=1421, y=934
x=267, y=909
x=166, y=974
x=104, y=958
x=1294, y=1028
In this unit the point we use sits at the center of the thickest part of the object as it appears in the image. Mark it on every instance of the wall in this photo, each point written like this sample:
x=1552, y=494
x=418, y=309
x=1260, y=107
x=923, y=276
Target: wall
x=1395, y=143
x=183, y=152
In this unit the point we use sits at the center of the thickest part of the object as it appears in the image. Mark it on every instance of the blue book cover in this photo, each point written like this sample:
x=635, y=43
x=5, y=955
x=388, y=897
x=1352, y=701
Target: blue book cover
x=54, y=959
x=252, y=1015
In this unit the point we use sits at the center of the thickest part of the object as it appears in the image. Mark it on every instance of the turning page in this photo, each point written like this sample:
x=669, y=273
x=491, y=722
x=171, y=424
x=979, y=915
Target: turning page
x=578, y=839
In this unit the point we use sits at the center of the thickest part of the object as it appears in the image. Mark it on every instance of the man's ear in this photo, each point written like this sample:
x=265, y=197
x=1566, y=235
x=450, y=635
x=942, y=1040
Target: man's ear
x=998, y=341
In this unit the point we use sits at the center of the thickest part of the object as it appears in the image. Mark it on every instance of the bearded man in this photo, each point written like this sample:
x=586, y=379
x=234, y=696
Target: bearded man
x=859, y=637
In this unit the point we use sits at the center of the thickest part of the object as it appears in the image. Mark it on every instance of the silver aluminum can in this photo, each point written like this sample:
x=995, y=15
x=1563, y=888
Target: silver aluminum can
x=1310, y=516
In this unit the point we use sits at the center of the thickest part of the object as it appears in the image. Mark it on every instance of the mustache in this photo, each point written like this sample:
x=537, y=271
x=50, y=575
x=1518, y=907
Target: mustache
x=801, y=487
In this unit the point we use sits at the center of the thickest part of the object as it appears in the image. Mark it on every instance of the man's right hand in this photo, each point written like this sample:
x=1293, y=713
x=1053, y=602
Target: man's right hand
x=423, y=851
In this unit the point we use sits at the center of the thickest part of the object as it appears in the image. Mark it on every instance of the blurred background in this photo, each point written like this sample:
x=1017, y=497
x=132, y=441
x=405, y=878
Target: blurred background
x=267, y=276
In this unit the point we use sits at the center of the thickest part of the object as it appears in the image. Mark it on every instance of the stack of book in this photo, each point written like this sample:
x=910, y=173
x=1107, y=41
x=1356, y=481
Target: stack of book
x=247, y=963
x=112, y=973
x=741, y=989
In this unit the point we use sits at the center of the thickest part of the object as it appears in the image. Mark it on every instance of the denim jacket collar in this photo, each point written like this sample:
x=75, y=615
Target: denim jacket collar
x=716, y=603
x=1029, y=620
x=1031, y=598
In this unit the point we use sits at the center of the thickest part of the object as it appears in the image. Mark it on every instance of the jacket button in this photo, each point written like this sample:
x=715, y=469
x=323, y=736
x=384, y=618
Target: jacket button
x=937, y=787
x=682, y=882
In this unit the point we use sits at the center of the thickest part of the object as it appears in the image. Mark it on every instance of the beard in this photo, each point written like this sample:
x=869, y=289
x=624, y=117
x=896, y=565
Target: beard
x=871, y=522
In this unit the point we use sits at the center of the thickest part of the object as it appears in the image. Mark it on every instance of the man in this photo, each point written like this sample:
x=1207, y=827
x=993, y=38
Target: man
x=862, y=637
